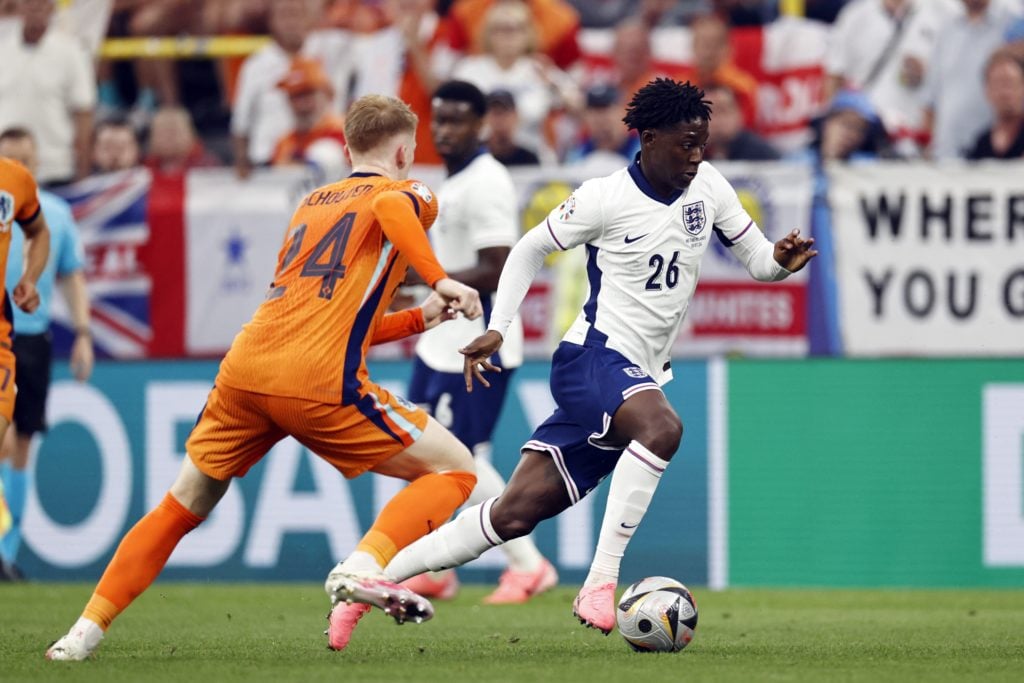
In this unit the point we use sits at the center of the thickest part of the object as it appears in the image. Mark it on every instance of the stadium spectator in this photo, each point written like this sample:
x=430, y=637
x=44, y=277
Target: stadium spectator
x=631, y=64
x=32, y=344
x=954, y=90
x=49, y=87
x=713, y=65
x=419, y=36
x=606, y=141
x=851, y=130
x=260, y=113
x=881, y=47
x=631, y=55
x=87, y=20
x=319, y=131
x=1015, y=37
x=115, y=146
x=1004, y=89
x=511, y=62
x=555, y=23
x=158, y=78
x=359, y=16
x=173, y=145
x=728, y=138
x=502, y=125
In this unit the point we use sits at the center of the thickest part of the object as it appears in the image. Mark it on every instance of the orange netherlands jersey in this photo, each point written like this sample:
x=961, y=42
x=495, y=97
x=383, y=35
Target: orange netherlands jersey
x=344, y=255
x=19, y=201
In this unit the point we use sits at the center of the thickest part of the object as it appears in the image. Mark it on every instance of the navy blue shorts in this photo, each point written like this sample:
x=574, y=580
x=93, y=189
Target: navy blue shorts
x=588, y=383
x=470, y=417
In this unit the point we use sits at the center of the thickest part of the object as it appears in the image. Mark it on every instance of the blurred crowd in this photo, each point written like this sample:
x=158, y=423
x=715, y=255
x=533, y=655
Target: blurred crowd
x=935, y=79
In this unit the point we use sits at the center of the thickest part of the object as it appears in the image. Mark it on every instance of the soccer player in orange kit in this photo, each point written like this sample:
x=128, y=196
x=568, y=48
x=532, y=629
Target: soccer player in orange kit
x=19, y=201
x=299, y=368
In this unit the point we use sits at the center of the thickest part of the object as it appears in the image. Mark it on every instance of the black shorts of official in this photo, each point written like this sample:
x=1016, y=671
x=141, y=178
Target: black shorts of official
x=32, y=356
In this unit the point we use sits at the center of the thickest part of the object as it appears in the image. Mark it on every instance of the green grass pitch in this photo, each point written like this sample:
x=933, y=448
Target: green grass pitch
x=212, y=633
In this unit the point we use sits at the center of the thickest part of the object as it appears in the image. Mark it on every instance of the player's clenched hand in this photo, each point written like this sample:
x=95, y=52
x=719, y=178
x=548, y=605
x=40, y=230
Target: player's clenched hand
x=478, y=354
x=435, y=311
x=793, y=252
x=460, y=297
x=25, y=296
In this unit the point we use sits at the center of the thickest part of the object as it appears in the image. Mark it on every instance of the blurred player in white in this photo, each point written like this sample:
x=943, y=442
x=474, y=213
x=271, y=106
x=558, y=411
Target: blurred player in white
x=474, y=232
x=645, y=229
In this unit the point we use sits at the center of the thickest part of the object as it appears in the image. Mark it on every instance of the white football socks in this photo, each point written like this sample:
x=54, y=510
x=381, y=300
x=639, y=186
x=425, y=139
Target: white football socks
x=359, y=562
x=463, y=539
x=634, y=481
x=521, y=553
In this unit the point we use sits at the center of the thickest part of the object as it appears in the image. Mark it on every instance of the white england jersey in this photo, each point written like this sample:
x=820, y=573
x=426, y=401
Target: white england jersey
x=644, y=257
x=477, y=210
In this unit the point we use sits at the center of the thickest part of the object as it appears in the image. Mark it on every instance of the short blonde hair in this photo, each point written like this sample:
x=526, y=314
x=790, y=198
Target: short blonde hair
x=374, y=119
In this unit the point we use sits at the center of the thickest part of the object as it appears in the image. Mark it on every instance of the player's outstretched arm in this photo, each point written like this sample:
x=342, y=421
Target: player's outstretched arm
x=478, y=358
x=407, y=322
x=793, y=252
x=400, y=224
x=768, y=262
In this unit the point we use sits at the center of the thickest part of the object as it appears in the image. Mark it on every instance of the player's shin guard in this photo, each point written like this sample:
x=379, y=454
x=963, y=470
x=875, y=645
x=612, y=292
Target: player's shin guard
x=425, y=504
x=522, y=553
x=463, y=539
x=634, y=481
x=140, y=557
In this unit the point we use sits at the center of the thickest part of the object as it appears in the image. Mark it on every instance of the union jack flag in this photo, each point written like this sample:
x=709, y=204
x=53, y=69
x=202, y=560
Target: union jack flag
x=111, y=214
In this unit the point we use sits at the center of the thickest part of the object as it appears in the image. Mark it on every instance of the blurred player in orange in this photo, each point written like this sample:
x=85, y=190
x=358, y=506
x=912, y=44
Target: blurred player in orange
x=19, y=201
x=299, y=368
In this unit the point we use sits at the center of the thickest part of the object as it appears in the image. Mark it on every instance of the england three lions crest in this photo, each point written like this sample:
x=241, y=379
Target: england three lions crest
x=694, y=217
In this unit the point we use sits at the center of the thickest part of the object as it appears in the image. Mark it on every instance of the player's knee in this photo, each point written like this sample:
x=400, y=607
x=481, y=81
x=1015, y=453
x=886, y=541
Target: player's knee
x=511, y=520
x=662, y=435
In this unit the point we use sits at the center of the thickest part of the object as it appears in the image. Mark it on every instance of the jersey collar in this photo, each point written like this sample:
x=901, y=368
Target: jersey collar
x=473, y=157
x=641, y=182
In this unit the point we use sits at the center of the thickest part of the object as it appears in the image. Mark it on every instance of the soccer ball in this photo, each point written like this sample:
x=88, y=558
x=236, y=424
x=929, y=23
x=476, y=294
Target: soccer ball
x=657, y=614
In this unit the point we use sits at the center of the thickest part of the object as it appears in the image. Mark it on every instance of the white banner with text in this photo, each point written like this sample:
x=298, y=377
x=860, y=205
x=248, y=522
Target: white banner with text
x=929, y=259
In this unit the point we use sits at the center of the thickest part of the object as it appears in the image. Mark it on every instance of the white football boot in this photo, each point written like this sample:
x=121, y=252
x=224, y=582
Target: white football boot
x=79, y=643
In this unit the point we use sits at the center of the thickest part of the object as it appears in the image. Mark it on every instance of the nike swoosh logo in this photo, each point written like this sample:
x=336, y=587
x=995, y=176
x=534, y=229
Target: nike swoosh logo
x=629, y=526
x=630, y=240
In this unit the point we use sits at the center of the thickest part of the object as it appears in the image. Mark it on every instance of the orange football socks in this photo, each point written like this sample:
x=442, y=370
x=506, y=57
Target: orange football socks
x=140, y=557
x=419, y=508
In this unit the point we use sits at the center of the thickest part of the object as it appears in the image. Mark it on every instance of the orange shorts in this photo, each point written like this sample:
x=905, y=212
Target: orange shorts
x=7, y=388
x=238, y=427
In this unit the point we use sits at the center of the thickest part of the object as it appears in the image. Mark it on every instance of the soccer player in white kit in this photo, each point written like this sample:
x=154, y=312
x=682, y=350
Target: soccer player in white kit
x=645, y=229
x=475, y=229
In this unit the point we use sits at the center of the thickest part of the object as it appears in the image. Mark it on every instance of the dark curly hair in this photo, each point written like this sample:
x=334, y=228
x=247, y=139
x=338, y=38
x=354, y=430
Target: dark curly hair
x=462, y=91
x=665, y=102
